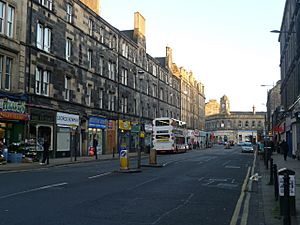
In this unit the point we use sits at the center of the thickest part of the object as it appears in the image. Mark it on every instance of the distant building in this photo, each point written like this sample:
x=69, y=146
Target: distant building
x=233, y=125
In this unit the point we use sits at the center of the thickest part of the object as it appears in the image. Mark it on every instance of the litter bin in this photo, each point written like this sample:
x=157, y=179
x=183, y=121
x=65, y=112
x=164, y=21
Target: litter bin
x=292, y=192
x=124, y=161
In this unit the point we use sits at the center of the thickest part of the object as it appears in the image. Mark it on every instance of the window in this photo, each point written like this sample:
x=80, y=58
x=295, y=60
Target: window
x=101, y=98
x=154, y=70
x=8, y=73
x=42, y=78
x=111, y=102
x=154, y=90
x=10, y=21
x=2, y=14
x=89, y=95
x=67, y=88
x=111, y=71
x=259, y=124
x=134, y=106
x=90, y=54
x=7, y=15
x=134, y=81
x=161, y=94
x=247, y=123
x=240, y=123
x=124, y=104
x=101, y=65
x=102, y=35
x=147, y=87
x=5, y=72
x=43, y=38
x=69, y=13
x=68, y=49
x=253, y=123
x=124, y=76
x=91, y=26
x=46, y=3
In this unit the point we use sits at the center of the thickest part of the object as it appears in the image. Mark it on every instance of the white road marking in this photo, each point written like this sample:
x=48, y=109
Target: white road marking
x=232, y=167
x=225, y=163
x=33, y=190
x=141, y=184
x=100, y=175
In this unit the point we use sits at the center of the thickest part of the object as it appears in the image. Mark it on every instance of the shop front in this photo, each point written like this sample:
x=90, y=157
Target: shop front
x=13, y=122
x=148, y=137
x=41, y=125
x=97, y=129
x=66, y=127
x=111, y=137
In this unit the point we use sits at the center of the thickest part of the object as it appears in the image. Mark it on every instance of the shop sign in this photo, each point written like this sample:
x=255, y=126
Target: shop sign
x=135, y=127
x=110, y=124
x=7, y=105
x=67, y=119
x=97, y=122
x=148, y=128
x=124, y=125
x=14, y=116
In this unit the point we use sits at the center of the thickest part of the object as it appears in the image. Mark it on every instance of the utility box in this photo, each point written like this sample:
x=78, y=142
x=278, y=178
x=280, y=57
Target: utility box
x=292, y=191
x=152, y=157
x=124, y=160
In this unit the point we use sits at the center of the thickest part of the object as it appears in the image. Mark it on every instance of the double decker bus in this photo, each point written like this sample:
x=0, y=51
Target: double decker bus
x=169, y=135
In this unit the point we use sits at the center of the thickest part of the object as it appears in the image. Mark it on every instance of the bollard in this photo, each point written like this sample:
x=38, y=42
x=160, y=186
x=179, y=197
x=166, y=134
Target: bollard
x=124, y=161
x=286, y=203
x=283, y=194
x=271, y=171
x=275, y=182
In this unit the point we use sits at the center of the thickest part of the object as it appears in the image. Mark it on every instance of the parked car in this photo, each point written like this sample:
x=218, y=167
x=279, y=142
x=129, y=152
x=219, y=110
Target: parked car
x=247, y=147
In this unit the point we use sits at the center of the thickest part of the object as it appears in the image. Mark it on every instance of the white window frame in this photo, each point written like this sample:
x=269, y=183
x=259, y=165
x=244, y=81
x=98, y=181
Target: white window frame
x=67, y=88
x=90, y=24
x=101, y=65
x=1, y=69
x=89, y=94
x=111, y=102
x=42, y=82
x=8, y=73
x=69, y=13
x=2, y=16
x=124, y=104
x=68, y=49
x=43, y=37
x=90, y=58
x=101, y=92
x=102, y=35
x=10, y=21
x=124, y=76
x=47, y=3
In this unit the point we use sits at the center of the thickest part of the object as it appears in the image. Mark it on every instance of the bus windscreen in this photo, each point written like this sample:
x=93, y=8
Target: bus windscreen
x=160, y=123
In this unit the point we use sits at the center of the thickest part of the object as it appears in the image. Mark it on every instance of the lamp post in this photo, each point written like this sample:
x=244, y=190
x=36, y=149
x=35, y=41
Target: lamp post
x=141, y=77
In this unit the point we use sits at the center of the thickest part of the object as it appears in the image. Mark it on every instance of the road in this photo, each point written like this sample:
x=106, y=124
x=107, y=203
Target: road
x=197, y=187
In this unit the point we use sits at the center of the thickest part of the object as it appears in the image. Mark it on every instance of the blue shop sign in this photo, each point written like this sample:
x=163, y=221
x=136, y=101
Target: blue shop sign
x=97, y=122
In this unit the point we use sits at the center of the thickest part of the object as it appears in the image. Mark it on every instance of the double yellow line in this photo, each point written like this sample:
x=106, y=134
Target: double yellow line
x=244, y=192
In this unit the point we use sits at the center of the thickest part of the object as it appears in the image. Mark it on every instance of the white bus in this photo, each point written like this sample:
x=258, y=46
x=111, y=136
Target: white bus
x=169, y=135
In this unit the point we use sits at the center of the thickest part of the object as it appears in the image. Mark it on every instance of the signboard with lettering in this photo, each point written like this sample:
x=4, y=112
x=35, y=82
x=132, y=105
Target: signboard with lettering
x=67, y=119
x=124, y=125
x=97, y=122
x=13, y=110
x=281, y=185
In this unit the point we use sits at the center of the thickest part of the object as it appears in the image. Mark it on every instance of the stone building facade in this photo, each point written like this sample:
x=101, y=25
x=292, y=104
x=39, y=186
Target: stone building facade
x=232, y=125
x=78, y=77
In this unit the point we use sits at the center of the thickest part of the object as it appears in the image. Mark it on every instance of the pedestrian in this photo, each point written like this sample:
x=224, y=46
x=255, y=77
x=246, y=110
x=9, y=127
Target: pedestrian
x=284, y=148
x=46, y=147
x=95, y=145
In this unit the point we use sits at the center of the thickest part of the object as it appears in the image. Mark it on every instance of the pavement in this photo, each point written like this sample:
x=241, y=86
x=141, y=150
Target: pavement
x=271, y=207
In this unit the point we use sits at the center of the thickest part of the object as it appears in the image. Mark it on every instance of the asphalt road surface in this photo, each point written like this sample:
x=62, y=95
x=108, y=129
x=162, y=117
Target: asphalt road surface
x=197, y=187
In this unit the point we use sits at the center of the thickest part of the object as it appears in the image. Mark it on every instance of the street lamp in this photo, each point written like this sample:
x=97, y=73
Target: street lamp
x=282, y=32
x=141, y=77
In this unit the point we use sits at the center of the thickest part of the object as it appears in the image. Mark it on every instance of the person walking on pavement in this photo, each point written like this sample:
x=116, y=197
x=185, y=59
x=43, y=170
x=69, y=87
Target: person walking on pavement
x=285, y=148
x=95, y=145
x=46, y=147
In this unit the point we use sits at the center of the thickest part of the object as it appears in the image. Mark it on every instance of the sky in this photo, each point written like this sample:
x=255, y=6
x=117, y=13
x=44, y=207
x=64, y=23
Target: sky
x=227, y=44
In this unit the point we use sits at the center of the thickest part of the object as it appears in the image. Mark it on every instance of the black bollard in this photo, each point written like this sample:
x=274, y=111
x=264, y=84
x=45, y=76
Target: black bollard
x=271, y=172
x=276, y=190
x=286, y=206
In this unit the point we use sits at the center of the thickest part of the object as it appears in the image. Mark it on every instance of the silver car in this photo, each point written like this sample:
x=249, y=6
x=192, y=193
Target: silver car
x=247, y=147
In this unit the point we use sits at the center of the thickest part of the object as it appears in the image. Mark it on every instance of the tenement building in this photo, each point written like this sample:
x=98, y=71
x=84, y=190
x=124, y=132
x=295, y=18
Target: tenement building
x=69, y=76
x=225, y=125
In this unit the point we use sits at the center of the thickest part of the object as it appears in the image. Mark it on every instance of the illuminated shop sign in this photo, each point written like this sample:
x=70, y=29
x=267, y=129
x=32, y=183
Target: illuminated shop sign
x=7, y=105
x=96, y=122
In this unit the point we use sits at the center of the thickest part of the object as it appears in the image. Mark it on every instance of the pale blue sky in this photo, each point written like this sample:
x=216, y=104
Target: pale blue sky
x=226, y=43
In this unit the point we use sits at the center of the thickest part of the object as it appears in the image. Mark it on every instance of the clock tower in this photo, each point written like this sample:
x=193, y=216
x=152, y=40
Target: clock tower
x=224, y=105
